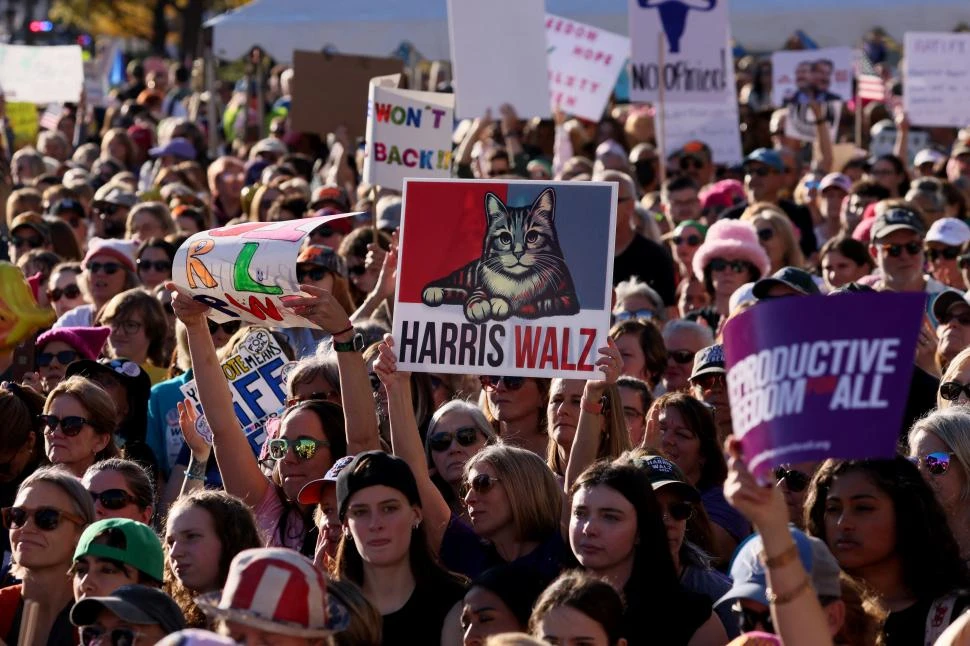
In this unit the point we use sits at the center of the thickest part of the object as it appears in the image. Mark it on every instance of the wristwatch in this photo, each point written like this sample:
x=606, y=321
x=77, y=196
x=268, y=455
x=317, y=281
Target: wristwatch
x=356, y=344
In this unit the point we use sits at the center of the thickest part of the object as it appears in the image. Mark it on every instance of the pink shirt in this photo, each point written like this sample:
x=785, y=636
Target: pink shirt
x=268, y=513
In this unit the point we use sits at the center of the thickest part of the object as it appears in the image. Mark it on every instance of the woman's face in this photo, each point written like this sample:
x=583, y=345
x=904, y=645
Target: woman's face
x=692, y=298
x=381, y=520
x=103, y=284
x=771, y=242
x=962, y=377
x=154, y=267
x=94, y=577
x=109, y=480
x=727, y=281
x=145, y=226
x=194, y=548
x=508, y=405
x=676, y=529
x=633, y=414
x=483, y=614
x=295, y=472
x=634, y=362
x=860, y=522
x=680, y=444
x=681, y=346
x=690, y=239
x=129, y=337
x=450, y=463
x=602, y=530
x=187, y=224
x=563, y=410
x=37, y=549
x=77, y=452
x=490, y=511
x=949, y=485
x=52, y=373
x=838, y=270
x=566, y=626
x=886, y=176
x=65, y=281
x=316, y=276
x=364, y=279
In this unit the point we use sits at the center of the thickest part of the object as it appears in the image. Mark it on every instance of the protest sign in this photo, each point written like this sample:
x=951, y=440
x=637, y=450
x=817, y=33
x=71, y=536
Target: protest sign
x=801, y=120
x=498, y=52
x=256, y=373
x=246, y=271
x=52, y=74
x=937, y=72
x=715, y=125
x=518, y=283
x=23, y=122
x=584, y=63
x=799, y=76
x=816, y=377
x=884, y=141
x=408, y=135
x=329, y=90
x=675, y=47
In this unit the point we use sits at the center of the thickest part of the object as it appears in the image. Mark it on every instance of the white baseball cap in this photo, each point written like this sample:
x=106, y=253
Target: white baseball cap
x=949, y=231
x=928, y=156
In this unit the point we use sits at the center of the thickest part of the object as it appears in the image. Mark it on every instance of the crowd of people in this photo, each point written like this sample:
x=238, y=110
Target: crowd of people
x=388, y=507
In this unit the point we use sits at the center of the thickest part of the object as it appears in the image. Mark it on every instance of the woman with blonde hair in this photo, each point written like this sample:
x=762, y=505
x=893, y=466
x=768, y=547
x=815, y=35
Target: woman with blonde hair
x=79, y=422
x=117, y=144
x=954, y=384
x=263, y=199
x=563, y=412
x=776, y=235
x=149, y=220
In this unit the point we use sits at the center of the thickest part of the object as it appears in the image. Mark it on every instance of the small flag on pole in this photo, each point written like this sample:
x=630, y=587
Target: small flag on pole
x=870, y=85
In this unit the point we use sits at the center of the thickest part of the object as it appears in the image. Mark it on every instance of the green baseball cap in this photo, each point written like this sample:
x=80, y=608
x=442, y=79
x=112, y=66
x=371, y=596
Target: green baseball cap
x=130, y=542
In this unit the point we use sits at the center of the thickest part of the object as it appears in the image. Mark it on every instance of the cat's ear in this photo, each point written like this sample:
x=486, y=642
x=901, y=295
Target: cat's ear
x=494, y=207
x=545, y=204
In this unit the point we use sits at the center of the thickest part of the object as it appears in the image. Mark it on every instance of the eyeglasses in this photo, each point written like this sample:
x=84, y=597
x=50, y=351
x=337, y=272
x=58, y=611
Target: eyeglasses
x=752, y=620
x=229, y=327
x=760, y=171
x=64, y=357
x=691, y=240
x=482, y=483
x=950, y=390
x=127, y=326
x=442, y=440
x=679, y=511
x=796, y=481
x=720, y=264
x=162, y=266
x=114, y=499
x=45, y=518
x=896, y=250
x=56, y=294
x=626, y=315
x=323, y=395
x=315, y=274
x=963, y=318
x=681, y=356
x=70, y=425
x=33, y=243
x=110, y=268
x=949, y=253
x=490, y=382
x=936, y=463
x=766, y=234
x=708, y=381
x=304, y=447
x=117, y=636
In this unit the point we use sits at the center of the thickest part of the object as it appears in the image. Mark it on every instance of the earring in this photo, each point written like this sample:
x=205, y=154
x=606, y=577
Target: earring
x=417, y=524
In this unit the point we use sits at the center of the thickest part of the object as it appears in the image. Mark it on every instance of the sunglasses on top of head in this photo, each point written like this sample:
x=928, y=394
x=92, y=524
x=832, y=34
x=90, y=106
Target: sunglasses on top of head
x=490, y=382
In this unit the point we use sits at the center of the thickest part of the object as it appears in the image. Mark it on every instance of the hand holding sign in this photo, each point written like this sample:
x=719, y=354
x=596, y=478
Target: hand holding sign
x=186, y=309
x=610, y=364
x=320, y=308
x=385, y=366
x=764, y=505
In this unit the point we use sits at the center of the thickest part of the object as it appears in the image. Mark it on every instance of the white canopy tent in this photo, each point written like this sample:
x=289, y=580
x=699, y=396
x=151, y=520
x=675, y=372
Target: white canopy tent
x=378, y=27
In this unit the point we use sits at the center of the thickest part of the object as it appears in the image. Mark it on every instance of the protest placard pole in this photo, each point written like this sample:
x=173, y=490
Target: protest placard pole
x=660, y=120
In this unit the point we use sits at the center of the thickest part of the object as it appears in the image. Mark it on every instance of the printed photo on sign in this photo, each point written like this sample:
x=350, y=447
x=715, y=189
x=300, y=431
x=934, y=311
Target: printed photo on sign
x=504, y=277
x=812, y=75
x=801, y=120
x=817, y=377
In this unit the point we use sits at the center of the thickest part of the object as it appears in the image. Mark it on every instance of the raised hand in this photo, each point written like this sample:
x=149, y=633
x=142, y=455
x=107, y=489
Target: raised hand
x=320, y=307
x=610, y=364
x=187, y=309
x=385, y=366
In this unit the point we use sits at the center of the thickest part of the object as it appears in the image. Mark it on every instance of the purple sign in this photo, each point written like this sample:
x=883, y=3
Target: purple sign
x=816, y=377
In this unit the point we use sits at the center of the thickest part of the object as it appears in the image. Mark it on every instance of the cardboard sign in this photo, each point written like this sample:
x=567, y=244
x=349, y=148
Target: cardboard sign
x=246, y=271
x=408, y=135
x=800, y=120
x=498, y=52
x=818, y=377
x=821, y=74
x=681, y=44
x=23, y=122
x=584, y=63
x=41, y=74
x=715, y=125
x=518, y=283
x=329, y=90
x=937, y=72
x=256, y=373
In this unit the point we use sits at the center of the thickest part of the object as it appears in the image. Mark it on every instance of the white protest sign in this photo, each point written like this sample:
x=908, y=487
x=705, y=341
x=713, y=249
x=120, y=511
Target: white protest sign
x=584, y=63
x=256, y=373
x=884, y=142
x=672, y=46
x=937, y=72
x=247, y=271
x=41, y=74
x=498, y=52
x=408, y=135
x=799, y=76
x=800, y=121
x=715, y=125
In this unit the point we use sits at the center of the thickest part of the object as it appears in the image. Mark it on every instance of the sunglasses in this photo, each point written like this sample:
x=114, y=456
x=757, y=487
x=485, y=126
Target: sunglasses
x=116, y=636
x=70, y=425
x=950, y=390
x=304, y=447
x=963, y=318
x=752, y=620
x=482, y=483
x=720, y=264
x=950, y=253
x=679, y=511
x=45, y=518
x=626, y=315
x=229, y=327
x=33, y=243
x=315, y=274
x=110, y=268
x=64, y=357
x=896, y=250
x=691, y=240
x=708, y=381
x=681, y=356
x=760, y=171
x=936, y=463
x=114, y=499
x=162, y=266
x=796, y=481
x=358, y=270
x=490, y=383
x=324, y=231
x=688, y=163
x=317, y=396
x=442, y=440
x=766, y=234
x=56, y=294
x=106, y=209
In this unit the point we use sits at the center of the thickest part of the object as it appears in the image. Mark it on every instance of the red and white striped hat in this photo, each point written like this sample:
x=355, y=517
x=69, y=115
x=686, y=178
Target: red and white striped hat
x=277, y=590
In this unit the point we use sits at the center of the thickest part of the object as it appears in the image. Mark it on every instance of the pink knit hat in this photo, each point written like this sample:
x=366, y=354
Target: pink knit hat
x=731, y=240
x=88, y=341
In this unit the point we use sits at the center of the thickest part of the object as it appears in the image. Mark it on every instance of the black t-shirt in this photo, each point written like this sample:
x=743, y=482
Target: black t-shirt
x=645, y=624
x=800, y=217
x=649, y=262
x=419, y=621
x=908, y=626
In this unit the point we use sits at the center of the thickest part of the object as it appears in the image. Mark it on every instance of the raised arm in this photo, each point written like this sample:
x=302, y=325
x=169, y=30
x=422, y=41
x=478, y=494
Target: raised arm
x=406, y=442
x=384, y=288
x=237, y=464
x=824, y=137
x=194, y=475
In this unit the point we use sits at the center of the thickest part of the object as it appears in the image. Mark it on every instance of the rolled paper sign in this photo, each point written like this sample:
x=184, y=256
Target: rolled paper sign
x=20, y=316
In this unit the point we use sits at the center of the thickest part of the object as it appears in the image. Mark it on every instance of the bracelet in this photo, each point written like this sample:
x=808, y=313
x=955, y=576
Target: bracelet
x=595, y=408
x=344, y=331
x=782, y=599
x=192, y=476
x=195, y=470
x=783, y=559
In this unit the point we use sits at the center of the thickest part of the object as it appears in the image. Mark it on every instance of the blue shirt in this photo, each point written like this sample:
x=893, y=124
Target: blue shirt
x=163, y=435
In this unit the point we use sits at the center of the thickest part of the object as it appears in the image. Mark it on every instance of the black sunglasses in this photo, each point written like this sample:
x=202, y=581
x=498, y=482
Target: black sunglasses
x=358, y=270
x=109, y=268
x=950, y=253
x=490, y=382
x=70, y=425
x=56, y=294
x=441, y=441
x=106, y=209
x=482, y=483
x=114, y=499
x=64, y=357
x=116, y=636
x=896, y=250
x=229, y=327
x=33, y=243
x=760, y=171
x=324, y=231
x=720, y=264
x=694, y=163
x=46, y=518
x=691, y=240
x=681, y=356
x=315, y=274
x=162, y=266
x=796, y=481
x=766, y=234
x=963, y=318
x=752, y=620
x=950, y=390
x=680, y=511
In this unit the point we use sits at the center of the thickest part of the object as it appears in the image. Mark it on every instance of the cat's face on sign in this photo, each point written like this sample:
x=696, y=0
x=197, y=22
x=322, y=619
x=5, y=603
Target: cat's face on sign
x=519, y=238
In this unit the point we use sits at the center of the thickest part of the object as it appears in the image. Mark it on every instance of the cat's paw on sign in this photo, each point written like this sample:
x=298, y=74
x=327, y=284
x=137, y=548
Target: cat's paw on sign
x=433, y=296
x=500, y=308
x=478, y=310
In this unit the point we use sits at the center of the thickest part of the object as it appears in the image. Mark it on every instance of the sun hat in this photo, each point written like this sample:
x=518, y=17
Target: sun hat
x=277, y=590
x=142, y=550
x=88, y=341
x=136, y=604
x=373, y=468
x=121, y=250
x=731, y=240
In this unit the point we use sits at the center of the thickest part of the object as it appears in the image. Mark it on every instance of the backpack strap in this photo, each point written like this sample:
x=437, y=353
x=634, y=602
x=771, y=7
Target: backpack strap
x=938, y=618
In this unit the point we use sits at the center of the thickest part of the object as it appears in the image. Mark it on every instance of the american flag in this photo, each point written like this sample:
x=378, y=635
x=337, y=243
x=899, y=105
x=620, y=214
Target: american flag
x=50, y=116
x=870, y=86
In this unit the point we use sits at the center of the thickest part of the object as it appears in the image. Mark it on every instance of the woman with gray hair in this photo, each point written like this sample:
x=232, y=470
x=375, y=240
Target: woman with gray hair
x=939, y=444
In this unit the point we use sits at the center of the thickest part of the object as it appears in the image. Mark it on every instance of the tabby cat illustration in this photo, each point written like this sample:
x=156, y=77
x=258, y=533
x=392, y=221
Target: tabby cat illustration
x=521, y=271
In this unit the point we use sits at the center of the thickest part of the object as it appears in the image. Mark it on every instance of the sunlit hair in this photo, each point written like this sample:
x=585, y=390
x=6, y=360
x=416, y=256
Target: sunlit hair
x=122, y=306
x=699, y=420
x=781, y=225
x=158, y=211
x=312, y=368
x=101, y=414
x=957, y=365
x=614, y=437
x=952, y=427
x=636, y=287
x=587, y=594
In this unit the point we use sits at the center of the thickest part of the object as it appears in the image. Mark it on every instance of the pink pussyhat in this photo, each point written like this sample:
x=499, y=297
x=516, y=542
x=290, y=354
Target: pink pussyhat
x=88, y=341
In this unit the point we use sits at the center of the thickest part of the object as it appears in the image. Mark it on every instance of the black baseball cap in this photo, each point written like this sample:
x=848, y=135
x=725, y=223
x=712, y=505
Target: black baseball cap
x=798, y=279
x=897, y=219
x=136, y=604
x=373, y=468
